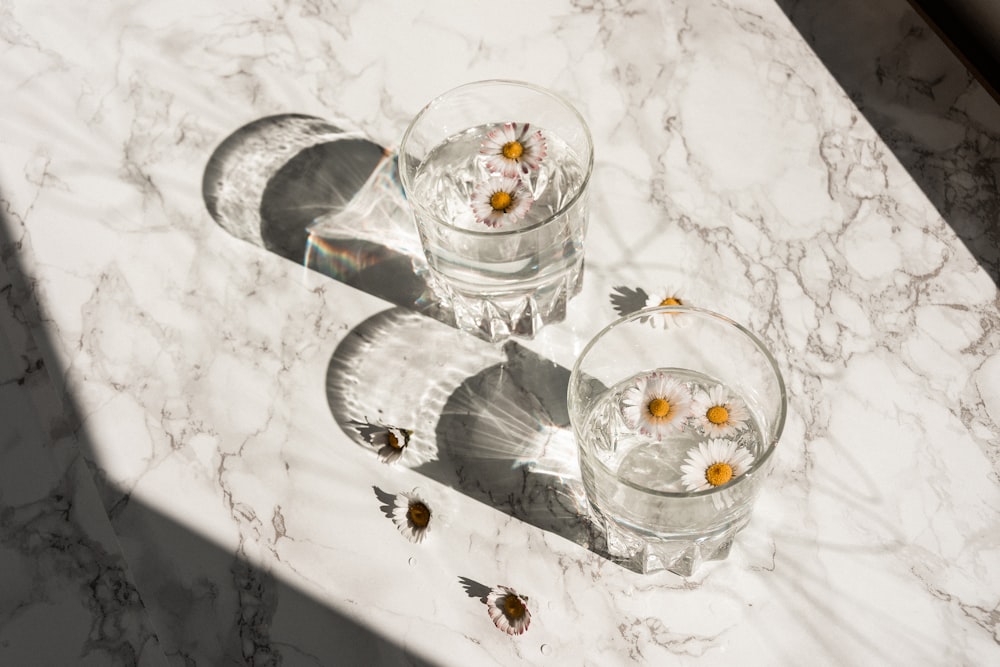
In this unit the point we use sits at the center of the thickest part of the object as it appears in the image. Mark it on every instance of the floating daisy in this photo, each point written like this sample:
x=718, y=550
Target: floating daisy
x=655, y=404
x=508, y=610
x=714, y=463
x=391, y=441
x=500, y=199
x=666, y=296
x=513, y=148
x=718, y=413
x=412, y=515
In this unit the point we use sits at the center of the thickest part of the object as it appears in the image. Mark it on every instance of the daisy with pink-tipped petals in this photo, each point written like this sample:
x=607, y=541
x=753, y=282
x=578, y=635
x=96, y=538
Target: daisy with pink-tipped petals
x=508, y=610
x=513, y=148
x=500, y=200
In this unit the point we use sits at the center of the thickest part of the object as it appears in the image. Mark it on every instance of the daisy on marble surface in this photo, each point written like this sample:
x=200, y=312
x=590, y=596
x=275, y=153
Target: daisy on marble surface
x=500, y=200
x=718, y=413
x=390, y=442
x=508, y=610
x=513, y=148
x=412, y=515
x=668, y=295
x=656, y=404
x=713, y=464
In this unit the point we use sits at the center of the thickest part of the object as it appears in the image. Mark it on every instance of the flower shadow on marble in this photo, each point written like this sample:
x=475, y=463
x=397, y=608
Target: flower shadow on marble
x=507, y=608
x=627, y=300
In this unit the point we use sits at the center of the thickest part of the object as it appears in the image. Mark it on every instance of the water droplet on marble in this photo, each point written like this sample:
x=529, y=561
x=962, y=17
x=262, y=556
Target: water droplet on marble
x=411, y=561
x=546, y=649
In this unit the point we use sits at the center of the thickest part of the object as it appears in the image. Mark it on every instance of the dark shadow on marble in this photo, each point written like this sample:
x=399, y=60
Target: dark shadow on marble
x=152, y=591
x=211, y=607
x=940, y=123
x=474, y=589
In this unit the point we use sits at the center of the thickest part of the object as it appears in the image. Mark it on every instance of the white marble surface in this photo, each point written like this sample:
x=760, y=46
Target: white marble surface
x=200, y=373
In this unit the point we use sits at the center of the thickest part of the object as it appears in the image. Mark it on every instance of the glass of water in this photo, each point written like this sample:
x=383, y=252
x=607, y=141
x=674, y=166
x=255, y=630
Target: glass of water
x=676, y=413
x=495, y=174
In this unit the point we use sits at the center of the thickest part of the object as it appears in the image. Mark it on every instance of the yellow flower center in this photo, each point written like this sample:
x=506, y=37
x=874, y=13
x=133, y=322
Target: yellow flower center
x=659, y=407
x=419, y=514
x=719, y=473
x=501, y=201
x=512, y=150
x=717, y=414
x=671, y=301
x=513, y=608
x=394, y=441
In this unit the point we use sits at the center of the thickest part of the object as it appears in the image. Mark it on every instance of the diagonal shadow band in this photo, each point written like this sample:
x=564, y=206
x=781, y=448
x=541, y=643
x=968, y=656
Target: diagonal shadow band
x=940, y=123
x=123, y=580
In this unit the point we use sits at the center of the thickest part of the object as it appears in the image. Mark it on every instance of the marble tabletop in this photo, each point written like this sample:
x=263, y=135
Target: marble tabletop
x=187, y=472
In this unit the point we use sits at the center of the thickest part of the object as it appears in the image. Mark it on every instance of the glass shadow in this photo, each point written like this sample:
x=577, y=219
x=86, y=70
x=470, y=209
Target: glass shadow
x=491, y=422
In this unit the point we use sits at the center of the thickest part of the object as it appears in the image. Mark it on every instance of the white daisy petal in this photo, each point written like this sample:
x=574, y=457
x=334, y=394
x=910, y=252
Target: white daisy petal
x=666, y=296
x=513, y=148
x=391, y=443
x=500, y=200
x=656, y=405
x=720, y=414
x=508, y=610
x=412, y=515
x=697, y=469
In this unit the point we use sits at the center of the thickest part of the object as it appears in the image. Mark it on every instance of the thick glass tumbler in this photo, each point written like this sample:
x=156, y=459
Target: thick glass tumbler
x=496, y=174
x=676, y=413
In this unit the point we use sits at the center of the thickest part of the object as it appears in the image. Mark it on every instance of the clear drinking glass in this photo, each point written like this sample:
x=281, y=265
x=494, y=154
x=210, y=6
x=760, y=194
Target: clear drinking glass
x=516, y=276
x=649, y=467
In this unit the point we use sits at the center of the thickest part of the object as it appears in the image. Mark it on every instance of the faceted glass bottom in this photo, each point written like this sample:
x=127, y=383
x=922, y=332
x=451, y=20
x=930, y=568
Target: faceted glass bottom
x=497, y=317
x=682, y=555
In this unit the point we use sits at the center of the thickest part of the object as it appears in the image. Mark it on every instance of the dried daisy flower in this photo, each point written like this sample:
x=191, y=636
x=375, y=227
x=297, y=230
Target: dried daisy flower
x=391, y=441
x=500, y=200
x=719, y=414
x=508, y=610
x=713, y=464
x=412, y=515
x=513, y=149
x=655, y=404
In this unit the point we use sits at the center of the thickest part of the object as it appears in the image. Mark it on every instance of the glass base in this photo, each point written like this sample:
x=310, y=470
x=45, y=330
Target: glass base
x=681, y=555
x=498, y=317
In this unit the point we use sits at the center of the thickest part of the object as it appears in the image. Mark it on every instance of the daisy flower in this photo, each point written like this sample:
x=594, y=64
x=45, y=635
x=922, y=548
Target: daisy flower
x=508, y=610
x=412, y=515
x=655, y=404
x=718, y=413
x=391, y=441
x=513, y=148
x=666, y=296
x=713, y=464
x=500, y=199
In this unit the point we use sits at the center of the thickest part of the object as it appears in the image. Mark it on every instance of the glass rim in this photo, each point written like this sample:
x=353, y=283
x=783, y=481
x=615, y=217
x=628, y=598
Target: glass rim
x=581, y=190
x=752, y=337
